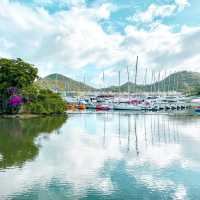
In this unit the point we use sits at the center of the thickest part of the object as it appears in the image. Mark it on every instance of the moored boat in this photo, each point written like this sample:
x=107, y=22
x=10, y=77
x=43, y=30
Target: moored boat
x=196, y=106
x=123, y=106
x=91, y=106
x=81, y=106
x=103, y=107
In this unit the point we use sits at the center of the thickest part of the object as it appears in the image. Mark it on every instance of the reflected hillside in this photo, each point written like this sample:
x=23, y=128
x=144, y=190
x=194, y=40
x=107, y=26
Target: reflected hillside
x=17, y=138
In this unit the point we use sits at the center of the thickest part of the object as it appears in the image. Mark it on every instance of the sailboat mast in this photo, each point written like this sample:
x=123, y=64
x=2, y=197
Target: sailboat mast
x=177, y=81
x=84, y=88
x=136, y=71
x=164, y=82
x=128, y=82
x=145, y=80
x=151, y=82
x=169, y=82
x=155, y=81
x=103, y=84
x=154, y=86
x=119, y=84
x=174, y=88
x=158, y=83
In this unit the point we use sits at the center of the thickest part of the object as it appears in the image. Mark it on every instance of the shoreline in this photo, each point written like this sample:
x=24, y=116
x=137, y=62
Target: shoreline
x=69, y=112
x=29, y=116
x=130, y=113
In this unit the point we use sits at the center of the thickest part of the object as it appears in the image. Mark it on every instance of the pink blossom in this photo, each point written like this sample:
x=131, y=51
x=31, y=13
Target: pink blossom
x=15, y=101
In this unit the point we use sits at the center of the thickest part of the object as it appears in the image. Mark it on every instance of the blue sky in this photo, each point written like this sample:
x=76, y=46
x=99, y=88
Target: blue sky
x=86, y=37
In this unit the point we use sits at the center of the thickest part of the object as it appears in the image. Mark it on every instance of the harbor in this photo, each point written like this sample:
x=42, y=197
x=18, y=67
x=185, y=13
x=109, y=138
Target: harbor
x=99, y=100
x=158, y=91
x=150, y=103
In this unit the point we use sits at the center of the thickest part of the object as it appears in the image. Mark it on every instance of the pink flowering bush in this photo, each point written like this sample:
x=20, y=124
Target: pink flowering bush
x=14, y=103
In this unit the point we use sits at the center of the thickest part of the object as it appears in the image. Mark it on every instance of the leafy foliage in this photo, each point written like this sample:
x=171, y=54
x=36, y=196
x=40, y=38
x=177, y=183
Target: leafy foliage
x=195, y=91
x=43, y=101
x=16, y=73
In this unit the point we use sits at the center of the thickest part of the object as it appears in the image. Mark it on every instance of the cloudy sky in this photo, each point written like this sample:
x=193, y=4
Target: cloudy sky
x=86, y=37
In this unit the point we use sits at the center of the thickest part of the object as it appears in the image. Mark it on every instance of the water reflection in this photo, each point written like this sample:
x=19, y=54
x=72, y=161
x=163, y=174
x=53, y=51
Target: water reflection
x=158, y=130
x=17, y=138
x=112, y=156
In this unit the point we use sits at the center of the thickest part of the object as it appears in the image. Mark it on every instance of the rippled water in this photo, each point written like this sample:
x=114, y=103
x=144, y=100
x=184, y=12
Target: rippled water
x=100, y=156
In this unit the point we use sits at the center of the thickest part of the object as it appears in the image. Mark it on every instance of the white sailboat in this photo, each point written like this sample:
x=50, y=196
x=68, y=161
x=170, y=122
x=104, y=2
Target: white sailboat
x=127, y=106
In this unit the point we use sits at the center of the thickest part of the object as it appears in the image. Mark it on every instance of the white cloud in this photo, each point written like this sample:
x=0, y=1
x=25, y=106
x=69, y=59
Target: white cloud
x=69, y=40
x=154, y=11
x=161, y=47
x=182, y=4
x=61, y=3
x=105, y=10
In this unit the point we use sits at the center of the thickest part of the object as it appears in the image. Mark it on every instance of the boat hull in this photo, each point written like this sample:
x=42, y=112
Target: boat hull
x=127, y=107
x=103, y=107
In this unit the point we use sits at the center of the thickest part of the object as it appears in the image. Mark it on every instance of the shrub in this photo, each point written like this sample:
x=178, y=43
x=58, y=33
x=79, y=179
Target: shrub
x=46, y=102
x=35, y=108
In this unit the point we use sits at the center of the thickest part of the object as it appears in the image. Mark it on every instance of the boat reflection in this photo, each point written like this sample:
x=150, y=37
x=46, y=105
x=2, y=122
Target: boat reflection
x=140, y=131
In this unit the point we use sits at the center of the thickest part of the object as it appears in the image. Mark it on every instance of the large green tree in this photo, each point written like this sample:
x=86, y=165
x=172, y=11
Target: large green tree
x=17, y=87
x=16, y=73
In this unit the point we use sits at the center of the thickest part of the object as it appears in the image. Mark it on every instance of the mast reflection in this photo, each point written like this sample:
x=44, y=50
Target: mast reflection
x=140, y=131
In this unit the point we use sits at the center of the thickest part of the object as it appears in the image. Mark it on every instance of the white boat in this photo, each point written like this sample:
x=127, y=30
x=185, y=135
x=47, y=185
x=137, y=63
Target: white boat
x=91, y=106
x=123, y=106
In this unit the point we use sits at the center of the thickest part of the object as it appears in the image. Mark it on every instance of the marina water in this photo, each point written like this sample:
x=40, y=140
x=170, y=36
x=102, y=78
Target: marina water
x=112, y=155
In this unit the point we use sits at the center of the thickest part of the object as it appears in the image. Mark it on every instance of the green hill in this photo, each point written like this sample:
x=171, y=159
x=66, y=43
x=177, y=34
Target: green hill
x=183, y=81
x=63, y=83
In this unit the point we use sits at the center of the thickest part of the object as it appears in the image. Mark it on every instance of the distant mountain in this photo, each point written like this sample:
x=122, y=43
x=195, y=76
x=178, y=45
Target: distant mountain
x=63, y=83
x=183, y=81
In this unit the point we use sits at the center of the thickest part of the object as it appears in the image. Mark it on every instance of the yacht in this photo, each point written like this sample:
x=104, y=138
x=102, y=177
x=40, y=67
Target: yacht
x=125, y=106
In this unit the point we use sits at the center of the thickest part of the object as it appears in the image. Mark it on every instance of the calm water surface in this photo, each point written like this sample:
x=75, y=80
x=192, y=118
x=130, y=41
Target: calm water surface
x=100, y=156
